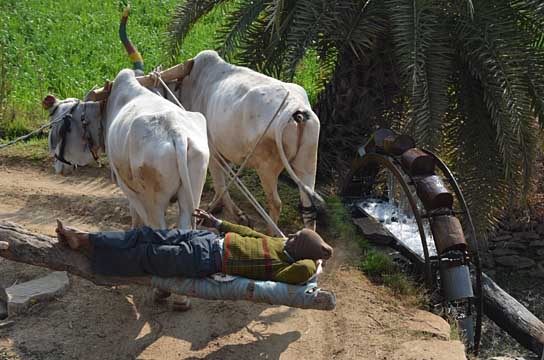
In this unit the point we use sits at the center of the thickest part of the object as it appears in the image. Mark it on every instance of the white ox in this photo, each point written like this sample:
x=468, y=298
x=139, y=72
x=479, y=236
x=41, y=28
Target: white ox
x=238, y=104
x=157, y=151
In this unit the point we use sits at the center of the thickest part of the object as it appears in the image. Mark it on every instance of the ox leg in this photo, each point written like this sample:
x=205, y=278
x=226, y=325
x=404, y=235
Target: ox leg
x=189, y=197
x=308, y=210
x=136, y=219
x=219, y=183
x=269, y=180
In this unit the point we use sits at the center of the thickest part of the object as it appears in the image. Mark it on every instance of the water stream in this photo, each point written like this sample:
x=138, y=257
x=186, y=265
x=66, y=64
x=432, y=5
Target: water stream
x=402, y=224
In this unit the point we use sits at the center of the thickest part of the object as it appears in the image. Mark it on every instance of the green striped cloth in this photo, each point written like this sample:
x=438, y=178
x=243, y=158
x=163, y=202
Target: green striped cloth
x=250, y=254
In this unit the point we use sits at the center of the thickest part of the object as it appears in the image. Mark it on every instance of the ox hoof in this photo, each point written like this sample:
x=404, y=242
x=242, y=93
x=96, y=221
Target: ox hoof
x=181, y=303
x=160, y=295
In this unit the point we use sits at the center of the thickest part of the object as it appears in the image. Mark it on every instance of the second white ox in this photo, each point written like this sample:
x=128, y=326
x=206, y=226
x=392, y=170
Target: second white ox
x=157, y=151
x=238, y=104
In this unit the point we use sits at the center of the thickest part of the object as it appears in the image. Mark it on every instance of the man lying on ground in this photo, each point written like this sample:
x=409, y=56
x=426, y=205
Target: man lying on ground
x=237, y=250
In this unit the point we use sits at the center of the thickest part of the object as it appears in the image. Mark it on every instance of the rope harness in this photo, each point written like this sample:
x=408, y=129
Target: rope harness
x=223, y=163
x=66, y=127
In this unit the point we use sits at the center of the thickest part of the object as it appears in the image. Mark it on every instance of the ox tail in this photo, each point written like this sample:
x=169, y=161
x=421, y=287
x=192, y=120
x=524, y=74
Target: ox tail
x=315, y=198
x=181, y=145
x=135, y=56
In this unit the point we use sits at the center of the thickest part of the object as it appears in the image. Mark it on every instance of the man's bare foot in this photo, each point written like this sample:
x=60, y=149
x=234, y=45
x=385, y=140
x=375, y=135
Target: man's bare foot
x=73, y=237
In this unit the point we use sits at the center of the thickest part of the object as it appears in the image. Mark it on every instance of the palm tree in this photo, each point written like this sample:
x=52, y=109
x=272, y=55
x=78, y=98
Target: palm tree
x=464, y=77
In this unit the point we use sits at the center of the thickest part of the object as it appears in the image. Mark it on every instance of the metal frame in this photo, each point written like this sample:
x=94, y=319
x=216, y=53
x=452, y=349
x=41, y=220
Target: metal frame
x=405, y=180
x=387, y=162
x=473, y=247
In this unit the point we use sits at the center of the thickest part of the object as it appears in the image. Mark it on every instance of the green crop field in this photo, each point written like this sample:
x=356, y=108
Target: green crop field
x=66, y=47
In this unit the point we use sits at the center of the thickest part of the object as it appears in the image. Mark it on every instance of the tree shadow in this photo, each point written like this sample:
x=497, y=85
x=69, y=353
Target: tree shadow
x=269, y=346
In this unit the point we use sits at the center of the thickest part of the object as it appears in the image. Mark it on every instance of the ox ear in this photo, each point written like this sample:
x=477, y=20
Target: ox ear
x=49, y=102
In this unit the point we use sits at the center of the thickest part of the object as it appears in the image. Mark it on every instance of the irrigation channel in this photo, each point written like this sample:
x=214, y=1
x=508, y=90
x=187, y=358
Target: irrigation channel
x=407, y=198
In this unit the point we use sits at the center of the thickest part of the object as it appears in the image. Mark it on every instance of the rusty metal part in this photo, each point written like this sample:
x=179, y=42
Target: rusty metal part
x=376, y=141
x=433, y=193
x=473, y=247
x=368, y=165
x=416, y=162
x=447, y=234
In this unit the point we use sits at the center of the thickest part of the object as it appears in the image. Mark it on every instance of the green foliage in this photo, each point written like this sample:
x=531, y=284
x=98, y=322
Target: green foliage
x=339, y=222
x=464, y=78
x=381, y=268
x=377, y=265
x=66, y=47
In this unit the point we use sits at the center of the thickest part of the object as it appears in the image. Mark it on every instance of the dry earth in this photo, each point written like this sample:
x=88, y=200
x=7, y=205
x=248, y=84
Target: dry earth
x=92, y=322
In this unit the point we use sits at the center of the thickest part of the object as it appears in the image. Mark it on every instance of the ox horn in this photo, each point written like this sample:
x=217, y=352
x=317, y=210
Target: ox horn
x=135, y=56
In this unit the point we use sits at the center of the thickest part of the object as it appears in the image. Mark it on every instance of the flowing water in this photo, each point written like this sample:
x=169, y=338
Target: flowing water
x=399, y=221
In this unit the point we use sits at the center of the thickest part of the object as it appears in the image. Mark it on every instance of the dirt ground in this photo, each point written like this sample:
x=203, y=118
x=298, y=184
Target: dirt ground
x=92, y=322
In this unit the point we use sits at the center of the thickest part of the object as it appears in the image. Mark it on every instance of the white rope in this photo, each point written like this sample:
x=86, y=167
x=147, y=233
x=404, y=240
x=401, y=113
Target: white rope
x=223, y=164
x=157, y=76
x=245, y=191
x=243, y=164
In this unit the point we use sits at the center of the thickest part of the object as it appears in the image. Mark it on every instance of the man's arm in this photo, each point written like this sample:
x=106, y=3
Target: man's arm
x=296, y=273
x=225, y=226
x=209, y=220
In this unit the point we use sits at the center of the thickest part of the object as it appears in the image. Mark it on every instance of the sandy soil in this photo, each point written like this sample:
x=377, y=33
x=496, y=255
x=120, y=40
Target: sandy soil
x=92, y=322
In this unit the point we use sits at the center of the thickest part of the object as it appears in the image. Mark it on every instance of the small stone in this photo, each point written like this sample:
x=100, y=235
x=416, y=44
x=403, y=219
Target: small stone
x=506, y=237
x=515, y=262
x=540, y=229
x=21, y=296
x=503, y=252
x=537, y=243
x=530, y=236
x=537, y=273
x=516, y=245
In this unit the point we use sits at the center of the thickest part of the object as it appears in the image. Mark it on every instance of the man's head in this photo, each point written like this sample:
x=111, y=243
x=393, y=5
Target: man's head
x=307, y=244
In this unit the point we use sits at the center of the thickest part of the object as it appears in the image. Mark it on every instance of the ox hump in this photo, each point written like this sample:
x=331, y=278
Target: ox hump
x=126, y=75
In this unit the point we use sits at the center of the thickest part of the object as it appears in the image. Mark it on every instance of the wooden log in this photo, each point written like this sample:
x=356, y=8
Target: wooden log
x=447, y=233
x=35, y=249
x=501, y=308
x=398, y=145
x=21, y=245
x=433, y=193
x=176, y=72
x=417, y=162
x=376, y=141
x=512, y=316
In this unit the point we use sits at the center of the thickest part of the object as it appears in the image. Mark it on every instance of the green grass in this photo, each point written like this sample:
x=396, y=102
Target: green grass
x=339, y=222
x=66, y=47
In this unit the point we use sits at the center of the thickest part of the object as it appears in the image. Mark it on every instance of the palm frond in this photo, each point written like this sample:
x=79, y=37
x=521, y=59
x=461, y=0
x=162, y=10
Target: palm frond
x=237, y=23
x=470, y=146
x=494, y=50
x=184, y=17
x=424, y=58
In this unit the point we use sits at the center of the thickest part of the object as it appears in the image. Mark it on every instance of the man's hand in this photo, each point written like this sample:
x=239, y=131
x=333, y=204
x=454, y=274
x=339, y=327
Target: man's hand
x=206, y=219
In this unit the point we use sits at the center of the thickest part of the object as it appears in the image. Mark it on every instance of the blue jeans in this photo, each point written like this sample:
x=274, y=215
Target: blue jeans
x=165, y=253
